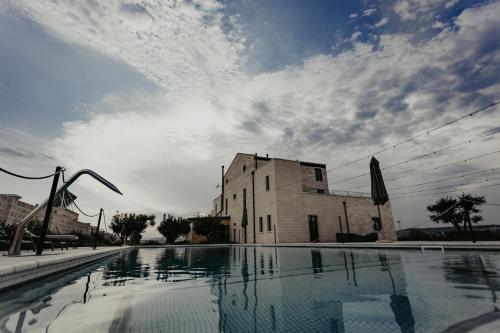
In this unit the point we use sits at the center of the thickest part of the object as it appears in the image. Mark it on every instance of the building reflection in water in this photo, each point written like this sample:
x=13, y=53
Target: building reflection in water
x=310, y=291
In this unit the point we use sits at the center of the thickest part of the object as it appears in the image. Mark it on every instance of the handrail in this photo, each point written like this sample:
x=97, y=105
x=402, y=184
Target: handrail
x=15, y=248
x=423, y=247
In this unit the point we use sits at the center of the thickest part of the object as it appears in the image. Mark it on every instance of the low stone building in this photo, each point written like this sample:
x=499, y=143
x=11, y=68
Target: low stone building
x=286, y=201
x=13, y=210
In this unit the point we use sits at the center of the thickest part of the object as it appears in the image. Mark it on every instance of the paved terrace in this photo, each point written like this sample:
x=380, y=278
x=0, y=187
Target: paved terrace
x=28, y=266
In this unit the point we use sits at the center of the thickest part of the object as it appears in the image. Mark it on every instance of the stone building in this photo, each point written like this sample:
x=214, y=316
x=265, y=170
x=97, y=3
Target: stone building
x=290, y=201
x=13, y=210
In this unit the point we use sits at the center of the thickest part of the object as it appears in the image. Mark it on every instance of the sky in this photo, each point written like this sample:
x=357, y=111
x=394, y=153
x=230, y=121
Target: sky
x=156, y=95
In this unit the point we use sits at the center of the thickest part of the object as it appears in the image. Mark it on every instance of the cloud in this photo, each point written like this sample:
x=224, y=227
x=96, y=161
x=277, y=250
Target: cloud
x=22, y=146
x=164, y=41
x=164, y=149
x=438, y=25
x=369, y=12
x=382, y=22
x=421, y=10
x=353, y=15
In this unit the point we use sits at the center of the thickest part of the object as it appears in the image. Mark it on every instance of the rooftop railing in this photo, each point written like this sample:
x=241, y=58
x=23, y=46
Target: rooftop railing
x=350, y=193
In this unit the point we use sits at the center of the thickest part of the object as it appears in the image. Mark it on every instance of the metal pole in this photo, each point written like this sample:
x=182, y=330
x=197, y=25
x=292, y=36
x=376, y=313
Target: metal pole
x=341, y=232
x=97, y=231
x=346, y=218
x=48, y=212
x=253, y=202
x=379, y=217
x=222, y=194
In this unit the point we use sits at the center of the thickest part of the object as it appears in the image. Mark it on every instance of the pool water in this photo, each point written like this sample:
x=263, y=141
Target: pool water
x=263, y=289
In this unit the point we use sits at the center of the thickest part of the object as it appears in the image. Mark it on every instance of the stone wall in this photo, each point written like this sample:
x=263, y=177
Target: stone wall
x=292, y=196
x=13, y=210
x=294, y=206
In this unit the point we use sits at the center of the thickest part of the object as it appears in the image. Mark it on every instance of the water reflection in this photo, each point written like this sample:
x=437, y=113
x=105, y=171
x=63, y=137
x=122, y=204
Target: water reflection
x=260, y=289
x=317, y=264
x=473, y=271
x=295, y=303
x=400, y=304
x=29, y=307
x=128, y=267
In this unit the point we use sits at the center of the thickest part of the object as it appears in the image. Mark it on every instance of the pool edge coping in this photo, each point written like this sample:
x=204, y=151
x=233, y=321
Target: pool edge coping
x=13, y=275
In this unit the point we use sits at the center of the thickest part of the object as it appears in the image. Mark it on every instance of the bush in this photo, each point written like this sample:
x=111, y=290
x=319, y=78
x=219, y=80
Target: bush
x=346, y=238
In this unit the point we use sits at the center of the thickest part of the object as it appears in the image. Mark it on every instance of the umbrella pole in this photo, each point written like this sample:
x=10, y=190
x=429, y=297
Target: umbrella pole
x=379, y=217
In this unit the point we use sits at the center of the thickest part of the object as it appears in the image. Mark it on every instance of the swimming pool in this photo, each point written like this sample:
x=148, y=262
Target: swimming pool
x=261, y=289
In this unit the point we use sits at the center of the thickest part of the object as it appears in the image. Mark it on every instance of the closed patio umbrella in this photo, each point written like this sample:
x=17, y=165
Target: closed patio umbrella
x=379, y=193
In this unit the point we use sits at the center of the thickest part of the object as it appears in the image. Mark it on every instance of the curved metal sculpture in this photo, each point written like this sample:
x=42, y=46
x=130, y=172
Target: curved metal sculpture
x=15, y=247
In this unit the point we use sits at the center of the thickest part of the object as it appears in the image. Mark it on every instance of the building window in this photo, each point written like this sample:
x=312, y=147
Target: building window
x=227, y=181
x=226, y=206
x=319, y=174
x=269, y=223
x=321, y=191
x=377, y=226
x=234, y=196
x=260, y=224
x=216, y=211
x=244, y=168
x=267, y=183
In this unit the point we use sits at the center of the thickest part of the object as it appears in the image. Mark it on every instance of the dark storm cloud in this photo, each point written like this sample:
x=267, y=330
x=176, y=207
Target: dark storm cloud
x=262, y=107
x=252, y=126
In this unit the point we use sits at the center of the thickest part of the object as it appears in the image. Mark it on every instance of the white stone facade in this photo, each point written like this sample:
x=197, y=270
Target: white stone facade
x=297, y=193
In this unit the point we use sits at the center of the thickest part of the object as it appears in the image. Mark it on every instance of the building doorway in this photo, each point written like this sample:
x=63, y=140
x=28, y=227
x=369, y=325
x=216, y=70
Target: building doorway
x=313, y=228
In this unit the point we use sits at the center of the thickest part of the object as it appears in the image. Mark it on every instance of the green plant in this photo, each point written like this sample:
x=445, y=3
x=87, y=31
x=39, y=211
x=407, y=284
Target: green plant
x=173, y=227
x=211, y=228
x=129, y=226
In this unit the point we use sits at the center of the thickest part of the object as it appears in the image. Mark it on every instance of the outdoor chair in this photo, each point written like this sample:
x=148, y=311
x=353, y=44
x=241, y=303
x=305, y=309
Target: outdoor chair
x=72, y=239
x=34, y=240
x=7, y=240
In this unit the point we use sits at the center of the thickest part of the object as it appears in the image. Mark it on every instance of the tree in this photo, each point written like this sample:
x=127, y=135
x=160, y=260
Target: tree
x=174, y=227
x=457, y=211
x=446, y=210
x=469, y=204
x=129, y=226
x=210, y=227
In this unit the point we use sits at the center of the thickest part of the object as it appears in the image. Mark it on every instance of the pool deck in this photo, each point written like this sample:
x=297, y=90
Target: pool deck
x=20, y=269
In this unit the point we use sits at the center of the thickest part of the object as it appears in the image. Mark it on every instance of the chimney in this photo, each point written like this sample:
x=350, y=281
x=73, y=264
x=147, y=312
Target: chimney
x=267, y=155
x=164, y=217
x=222, y=194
